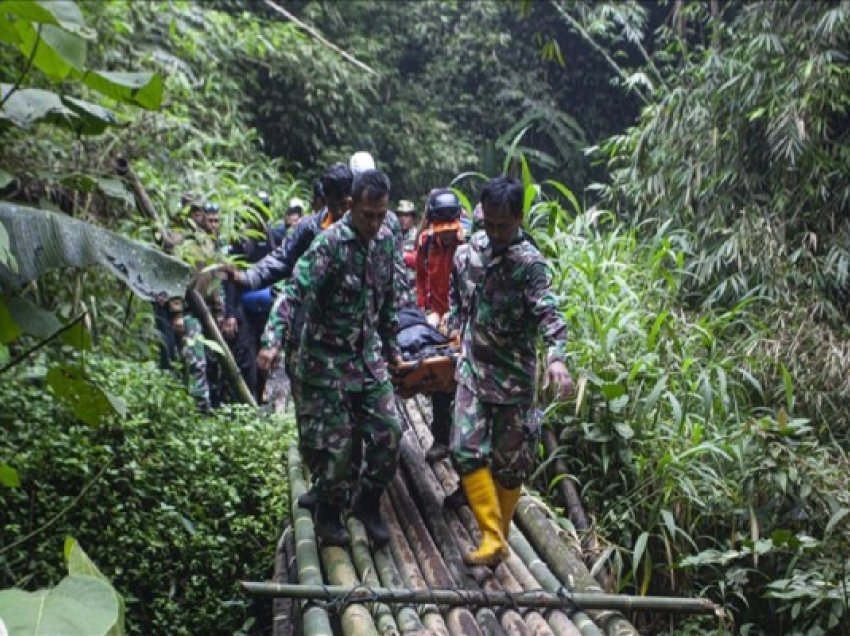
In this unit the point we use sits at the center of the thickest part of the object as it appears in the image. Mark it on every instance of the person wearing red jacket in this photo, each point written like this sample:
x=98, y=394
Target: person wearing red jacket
x=439, y=236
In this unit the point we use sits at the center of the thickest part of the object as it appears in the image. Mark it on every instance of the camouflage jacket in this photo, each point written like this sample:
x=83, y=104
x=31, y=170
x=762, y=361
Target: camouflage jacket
x=279, y=264
x=345, y=290
x=501, y=303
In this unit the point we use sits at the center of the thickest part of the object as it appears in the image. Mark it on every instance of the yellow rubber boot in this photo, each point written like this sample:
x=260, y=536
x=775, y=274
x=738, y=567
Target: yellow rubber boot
x=481, y=494
x=508, y=498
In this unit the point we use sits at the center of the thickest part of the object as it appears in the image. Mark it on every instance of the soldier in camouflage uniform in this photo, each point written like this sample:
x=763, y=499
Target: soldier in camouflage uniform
x=344, y=289
x=406, y=213
x=199, y=250
x=501, y=302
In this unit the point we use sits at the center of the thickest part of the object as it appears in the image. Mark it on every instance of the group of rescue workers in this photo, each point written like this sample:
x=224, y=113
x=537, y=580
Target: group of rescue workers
x=341, y=277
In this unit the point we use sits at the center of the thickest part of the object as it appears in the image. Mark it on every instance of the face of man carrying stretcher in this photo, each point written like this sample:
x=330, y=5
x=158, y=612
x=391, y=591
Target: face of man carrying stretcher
x=369, y=207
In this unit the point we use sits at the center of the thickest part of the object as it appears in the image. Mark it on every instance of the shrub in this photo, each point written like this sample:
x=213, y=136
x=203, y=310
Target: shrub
x=174, y=507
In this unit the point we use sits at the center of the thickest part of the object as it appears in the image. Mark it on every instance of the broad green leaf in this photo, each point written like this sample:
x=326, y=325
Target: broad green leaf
x=8, y=32
x=28, y=106
x=77, y=336
x=5, y=180
x=78, y=562
x=9, y=476
x=88, y=402
x=57, y=52
x=79, y=606
x=9, y=329
x=115, y=189
x=43, y=240
x=91, y=118
x=141, y=89
x=31, y=319
x=62, y=13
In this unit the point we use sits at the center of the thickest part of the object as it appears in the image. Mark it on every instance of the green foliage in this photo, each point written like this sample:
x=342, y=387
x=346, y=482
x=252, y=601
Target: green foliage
x=43, y=240
x=746, y=149
x=698, y=482
x=196, y=501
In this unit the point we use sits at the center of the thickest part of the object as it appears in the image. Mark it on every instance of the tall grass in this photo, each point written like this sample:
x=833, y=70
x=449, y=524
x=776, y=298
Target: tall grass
x=699, y=479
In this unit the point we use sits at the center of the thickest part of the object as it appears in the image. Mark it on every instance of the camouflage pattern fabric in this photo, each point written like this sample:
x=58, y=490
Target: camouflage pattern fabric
x=505, y=436
x=345, y=289
x=331, y=420
x=501, y=303
x=193, y=352
x=278, y=265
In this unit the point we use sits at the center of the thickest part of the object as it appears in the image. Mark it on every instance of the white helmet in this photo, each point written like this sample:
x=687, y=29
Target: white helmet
x=360, y=162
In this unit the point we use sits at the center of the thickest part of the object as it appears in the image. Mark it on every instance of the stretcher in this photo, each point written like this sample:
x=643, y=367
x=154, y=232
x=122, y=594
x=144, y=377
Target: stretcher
x=431, y=374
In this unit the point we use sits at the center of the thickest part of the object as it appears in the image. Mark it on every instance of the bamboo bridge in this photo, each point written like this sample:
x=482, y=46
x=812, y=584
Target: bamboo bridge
x=418, y=584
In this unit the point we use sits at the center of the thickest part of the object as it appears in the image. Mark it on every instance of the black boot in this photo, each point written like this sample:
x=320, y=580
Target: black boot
x=436, y=453
x=308, y=500
x=455, y=500
x=329, y=528
x=441, y=426
x=367, y=508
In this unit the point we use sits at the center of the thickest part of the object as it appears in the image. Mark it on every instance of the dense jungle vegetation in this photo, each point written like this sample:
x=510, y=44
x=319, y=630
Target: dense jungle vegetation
x=686, y=171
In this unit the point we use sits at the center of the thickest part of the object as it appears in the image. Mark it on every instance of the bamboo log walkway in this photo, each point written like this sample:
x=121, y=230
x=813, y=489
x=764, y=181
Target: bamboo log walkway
x=425, y=552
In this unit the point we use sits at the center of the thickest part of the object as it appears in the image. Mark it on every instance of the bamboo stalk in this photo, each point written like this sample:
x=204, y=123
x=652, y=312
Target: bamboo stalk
x=202, y=312
x=447, y=482
x=355, y=619
x=283, y=609
x=315, y=618
x=430, y=560
x=409, y=569
x=513, y=575
x=569, y=569
x=480, y=598
x=143, y=201
x=406, y=617
x=426, y=488
x=367, y=572
x=575, y=510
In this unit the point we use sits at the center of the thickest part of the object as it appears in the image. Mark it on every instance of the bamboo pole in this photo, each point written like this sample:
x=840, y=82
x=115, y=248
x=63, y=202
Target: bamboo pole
x=549, y=582
x=409, y=569
x=143, y=201
x=367, y=572
x=572, y=501
x=283, y=609
x=480, y=598
x=569, y=569
x=464, y=527
x=202, y=312
x=513, y=575
x=430, y=561
x=406, y=617
x=314, y=618
x=355, y=619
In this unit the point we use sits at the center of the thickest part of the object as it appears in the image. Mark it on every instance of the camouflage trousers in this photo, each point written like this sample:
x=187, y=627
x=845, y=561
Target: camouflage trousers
x=331, y=422
x=503, y=436
x=195, y=361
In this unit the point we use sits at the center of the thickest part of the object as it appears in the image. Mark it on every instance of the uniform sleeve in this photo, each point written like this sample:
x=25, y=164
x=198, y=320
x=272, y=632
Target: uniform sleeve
x=388, y=317
x=280, y=263
x=231, y=298
x=544, y=308
x=310, y=273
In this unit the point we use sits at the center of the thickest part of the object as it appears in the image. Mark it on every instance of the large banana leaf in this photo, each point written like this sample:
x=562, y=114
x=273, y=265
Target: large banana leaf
x=41, y=240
